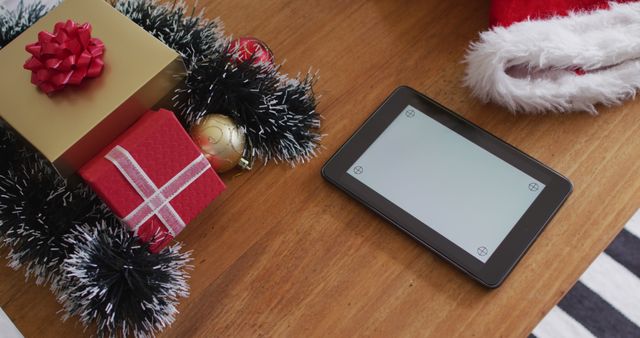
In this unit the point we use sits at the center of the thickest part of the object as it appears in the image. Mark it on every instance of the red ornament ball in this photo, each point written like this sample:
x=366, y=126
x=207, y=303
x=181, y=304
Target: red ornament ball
x=65, y=57
x=249, y=48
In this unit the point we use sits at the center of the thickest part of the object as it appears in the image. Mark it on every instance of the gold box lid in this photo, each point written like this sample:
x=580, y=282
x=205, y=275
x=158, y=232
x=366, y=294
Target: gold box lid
x=139, y=71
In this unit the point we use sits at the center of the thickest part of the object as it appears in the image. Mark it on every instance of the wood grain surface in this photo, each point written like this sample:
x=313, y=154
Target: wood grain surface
x=283, y=253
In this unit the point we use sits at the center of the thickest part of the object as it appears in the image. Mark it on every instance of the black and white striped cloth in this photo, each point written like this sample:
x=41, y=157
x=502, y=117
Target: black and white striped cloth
x=605, y=302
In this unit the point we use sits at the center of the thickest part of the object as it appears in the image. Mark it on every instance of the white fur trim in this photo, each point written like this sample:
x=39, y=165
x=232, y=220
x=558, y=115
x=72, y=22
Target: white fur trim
x=604, y=43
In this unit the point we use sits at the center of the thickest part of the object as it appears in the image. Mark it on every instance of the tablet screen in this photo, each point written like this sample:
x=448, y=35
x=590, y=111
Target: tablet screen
x=460, y=190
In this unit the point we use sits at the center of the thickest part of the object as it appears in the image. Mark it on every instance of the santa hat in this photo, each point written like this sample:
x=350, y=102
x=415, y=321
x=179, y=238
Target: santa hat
x=557, y=55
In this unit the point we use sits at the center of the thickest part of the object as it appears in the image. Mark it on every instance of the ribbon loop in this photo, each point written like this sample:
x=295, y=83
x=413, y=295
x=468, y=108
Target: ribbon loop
x=69, y=55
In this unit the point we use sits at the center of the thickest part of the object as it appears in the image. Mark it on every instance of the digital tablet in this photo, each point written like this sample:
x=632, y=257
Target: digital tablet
x=467, y=195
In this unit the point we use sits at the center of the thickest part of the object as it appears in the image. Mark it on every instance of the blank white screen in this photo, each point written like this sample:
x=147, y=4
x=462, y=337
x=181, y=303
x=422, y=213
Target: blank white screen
x=457, y=188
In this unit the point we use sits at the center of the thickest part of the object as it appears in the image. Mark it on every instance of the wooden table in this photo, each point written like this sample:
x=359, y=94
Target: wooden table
x=283, y=253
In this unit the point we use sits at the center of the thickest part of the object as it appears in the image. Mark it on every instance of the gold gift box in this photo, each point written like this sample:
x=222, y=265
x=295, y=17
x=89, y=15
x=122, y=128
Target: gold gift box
x=71, y=126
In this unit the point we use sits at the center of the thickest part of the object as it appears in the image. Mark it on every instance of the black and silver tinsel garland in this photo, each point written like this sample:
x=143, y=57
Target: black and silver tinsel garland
x=14, y=22
x=278, y=114
x=109, y=264
x=37, y=213
x=48, y=226
x=63, y=235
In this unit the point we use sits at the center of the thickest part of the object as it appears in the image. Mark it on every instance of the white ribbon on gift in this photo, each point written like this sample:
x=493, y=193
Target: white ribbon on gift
x=156, y=201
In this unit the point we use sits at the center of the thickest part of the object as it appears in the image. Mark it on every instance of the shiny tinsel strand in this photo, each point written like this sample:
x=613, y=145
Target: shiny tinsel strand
x=242, y=91
x=115, y=281
x=301, y=120
x=14, y=22
x=37, y=210
x=278, y=115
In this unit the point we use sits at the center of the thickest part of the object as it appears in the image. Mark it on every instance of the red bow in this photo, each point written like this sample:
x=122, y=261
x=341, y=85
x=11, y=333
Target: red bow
x=67, y=56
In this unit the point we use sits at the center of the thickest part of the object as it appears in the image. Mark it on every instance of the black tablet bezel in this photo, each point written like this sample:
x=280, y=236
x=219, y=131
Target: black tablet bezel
x=506, y=256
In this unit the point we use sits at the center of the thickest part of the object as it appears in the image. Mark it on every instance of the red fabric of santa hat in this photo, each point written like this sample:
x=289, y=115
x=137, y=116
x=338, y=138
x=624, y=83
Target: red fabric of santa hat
x=557, y=55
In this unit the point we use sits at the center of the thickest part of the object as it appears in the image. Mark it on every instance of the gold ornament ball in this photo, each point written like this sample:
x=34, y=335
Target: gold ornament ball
x=220, y=140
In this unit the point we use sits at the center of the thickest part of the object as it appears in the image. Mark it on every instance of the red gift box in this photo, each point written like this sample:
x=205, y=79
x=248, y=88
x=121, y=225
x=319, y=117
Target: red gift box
x=154, y=178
